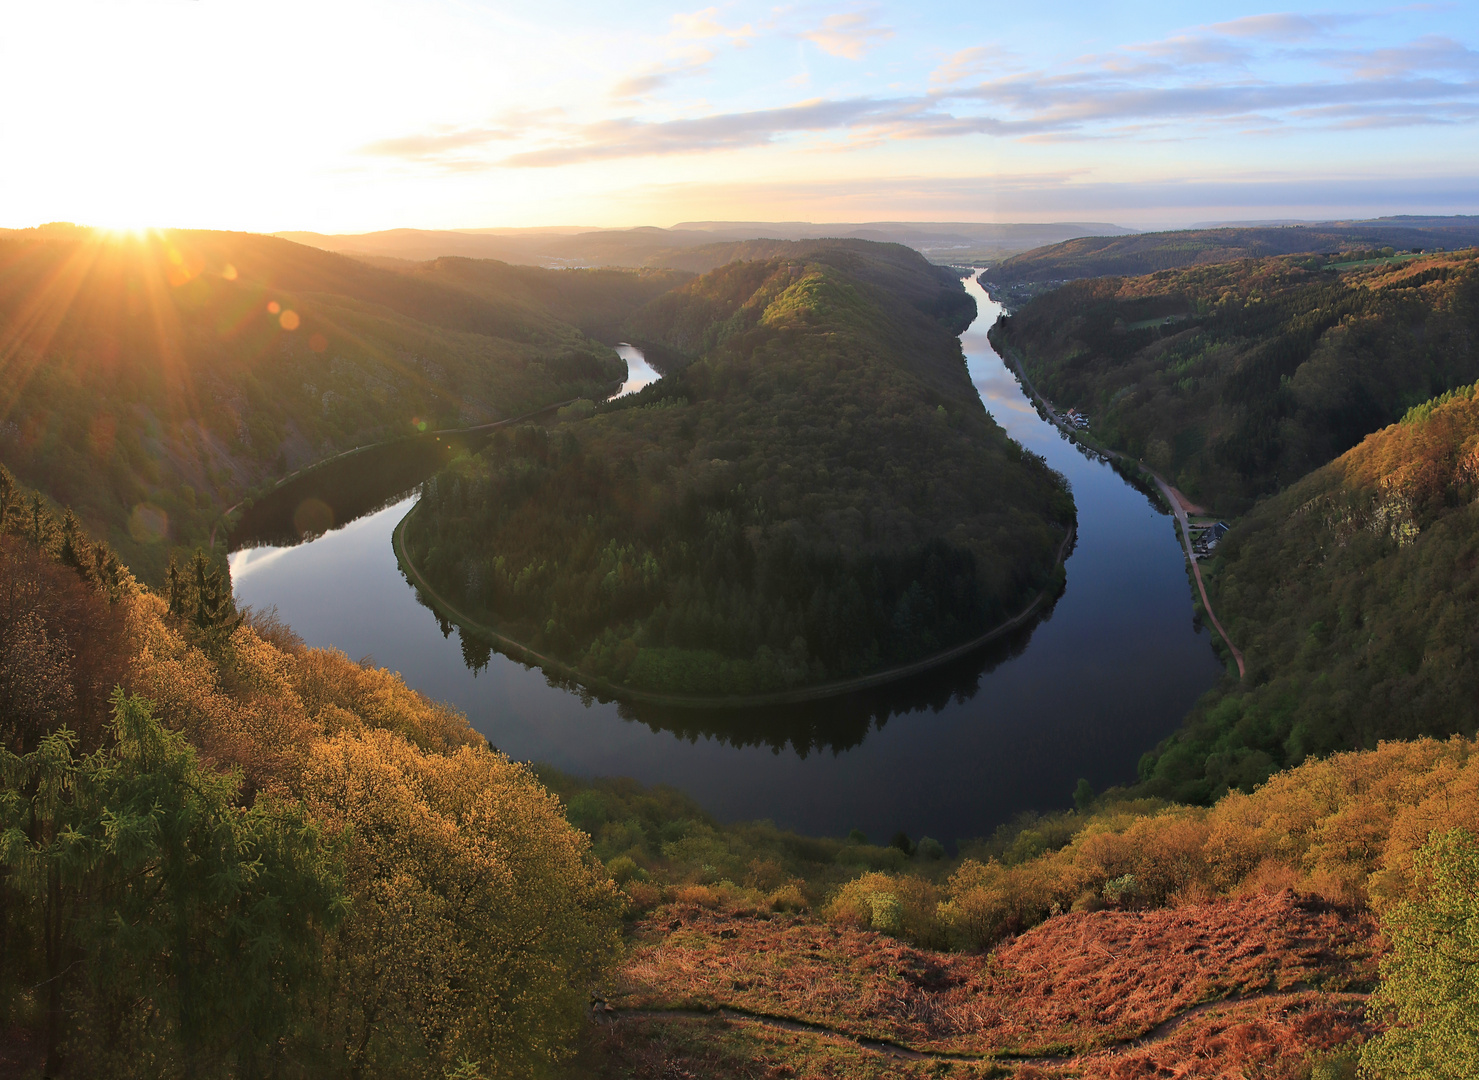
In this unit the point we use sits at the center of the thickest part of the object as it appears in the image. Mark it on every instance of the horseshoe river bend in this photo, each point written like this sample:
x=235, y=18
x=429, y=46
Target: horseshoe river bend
x=1109, y=670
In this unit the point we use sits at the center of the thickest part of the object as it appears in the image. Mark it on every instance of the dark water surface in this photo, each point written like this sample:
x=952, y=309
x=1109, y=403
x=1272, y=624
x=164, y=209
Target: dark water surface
x=950, y=754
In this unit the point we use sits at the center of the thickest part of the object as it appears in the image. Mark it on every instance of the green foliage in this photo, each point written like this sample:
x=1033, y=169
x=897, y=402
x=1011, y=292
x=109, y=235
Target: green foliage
x=821, y=496
x=1353, y=598
x=151, y=885
x=282, y=863
x=201, y=598
x=1429, y=993
x=1236, y=379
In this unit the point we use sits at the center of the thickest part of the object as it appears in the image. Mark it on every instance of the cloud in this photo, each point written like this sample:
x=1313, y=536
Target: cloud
x=629, y=137
x=656, y=76
x=1421, y=56
x=1072, y=195
x=704, y=25
x=1199, y=83
x=1276, y=27
x=969, y=62
x=851, y=35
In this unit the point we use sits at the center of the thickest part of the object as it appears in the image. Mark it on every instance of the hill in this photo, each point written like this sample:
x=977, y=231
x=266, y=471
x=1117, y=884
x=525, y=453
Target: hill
x=227, y=855
x=819, y=495
x=944, y=242
x=152, y=381
x=1353, y=597
x=1144, y=253
x=1238, y=378
x=1126, y=939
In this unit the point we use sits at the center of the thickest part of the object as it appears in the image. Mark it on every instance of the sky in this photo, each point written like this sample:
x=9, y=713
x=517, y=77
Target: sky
x=370, y=114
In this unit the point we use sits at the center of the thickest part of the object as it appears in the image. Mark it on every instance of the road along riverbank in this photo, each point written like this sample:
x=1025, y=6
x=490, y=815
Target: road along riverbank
x=1175, y=503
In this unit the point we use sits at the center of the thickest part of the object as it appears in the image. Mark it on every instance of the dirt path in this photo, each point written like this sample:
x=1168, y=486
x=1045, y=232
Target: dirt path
x=1179, y=503
x=601, y=1012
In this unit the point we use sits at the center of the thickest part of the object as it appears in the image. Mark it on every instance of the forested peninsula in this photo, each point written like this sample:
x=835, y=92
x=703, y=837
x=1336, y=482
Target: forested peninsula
x=813, y=492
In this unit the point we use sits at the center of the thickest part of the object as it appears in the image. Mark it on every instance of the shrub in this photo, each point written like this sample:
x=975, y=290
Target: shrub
x=902, y=906
x=788, y=897
x=623, y=869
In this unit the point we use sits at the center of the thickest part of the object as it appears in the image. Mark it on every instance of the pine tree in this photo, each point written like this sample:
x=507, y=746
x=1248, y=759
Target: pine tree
x=215, y=618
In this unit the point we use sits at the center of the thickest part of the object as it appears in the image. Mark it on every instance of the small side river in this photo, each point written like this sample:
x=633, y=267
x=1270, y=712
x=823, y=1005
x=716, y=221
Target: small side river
x=951, y=754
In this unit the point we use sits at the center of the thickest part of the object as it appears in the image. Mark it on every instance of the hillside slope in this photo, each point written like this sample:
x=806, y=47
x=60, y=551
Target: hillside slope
x=819, y=496
x=151, y=381
x=1354, y=598
x=1144, y=253
x=1236, y=379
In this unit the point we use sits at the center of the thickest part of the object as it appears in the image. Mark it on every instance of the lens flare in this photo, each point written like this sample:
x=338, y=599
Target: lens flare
x=313, y=516
x=148, y=524
x=289, y=320
x=273, y=307
x=318, y=343
x=228, y=272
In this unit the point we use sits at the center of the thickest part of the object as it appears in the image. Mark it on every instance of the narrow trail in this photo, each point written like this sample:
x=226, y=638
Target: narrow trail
x=601, y=1012
x=1177, y=509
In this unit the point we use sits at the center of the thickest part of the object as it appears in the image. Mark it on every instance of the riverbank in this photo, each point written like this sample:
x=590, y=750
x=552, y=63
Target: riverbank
x=1175, y=501
x=521, y=652
x=232, y=517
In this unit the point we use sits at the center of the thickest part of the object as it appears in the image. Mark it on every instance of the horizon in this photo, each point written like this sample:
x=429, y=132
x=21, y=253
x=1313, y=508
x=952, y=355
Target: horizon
x=351, y=119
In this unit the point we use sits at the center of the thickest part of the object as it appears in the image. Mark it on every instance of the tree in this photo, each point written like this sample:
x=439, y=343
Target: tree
x=202, y=597
x=1429, y=994
x=180, y=931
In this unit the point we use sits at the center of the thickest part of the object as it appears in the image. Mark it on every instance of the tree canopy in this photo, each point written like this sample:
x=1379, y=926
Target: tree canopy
x=819, y=495
x=1234, y=380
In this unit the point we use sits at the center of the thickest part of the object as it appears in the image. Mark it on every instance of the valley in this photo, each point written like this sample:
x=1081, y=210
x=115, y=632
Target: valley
x=1237, y=901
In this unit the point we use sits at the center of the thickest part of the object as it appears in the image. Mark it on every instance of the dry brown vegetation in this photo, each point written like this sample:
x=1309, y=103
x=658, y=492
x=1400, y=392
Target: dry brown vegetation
x=1080, y=982
x=1343, y=829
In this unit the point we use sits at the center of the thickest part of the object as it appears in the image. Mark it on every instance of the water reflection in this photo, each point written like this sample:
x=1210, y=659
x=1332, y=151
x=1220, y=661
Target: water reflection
x=950, y=754
x=837, y=723
x=639, y=372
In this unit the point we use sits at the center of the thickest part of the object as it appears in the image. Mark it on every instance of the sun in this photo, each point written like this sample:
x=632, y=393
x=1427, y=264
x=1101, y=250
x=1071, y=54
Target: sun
x=125, y=230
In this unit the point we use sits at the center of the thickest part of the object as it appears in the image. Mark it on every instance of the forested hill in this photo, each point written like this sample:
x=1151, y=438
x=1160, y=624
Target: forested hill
x=1239, y=378
x=819, y=495
x=598, y=302
x=1144, y=253
x=678, y=320
x=151, y=381
x=1354, y=598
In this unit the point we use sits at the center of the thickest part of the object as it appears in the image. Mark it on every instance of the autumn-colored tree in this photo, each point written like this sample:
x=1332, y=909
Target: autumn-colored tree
x=1429, y=994
x=480, y=916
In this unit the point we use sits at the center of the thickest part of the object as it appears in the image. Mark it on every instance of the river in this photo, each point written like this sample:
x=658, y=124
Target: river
x=952, y=754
